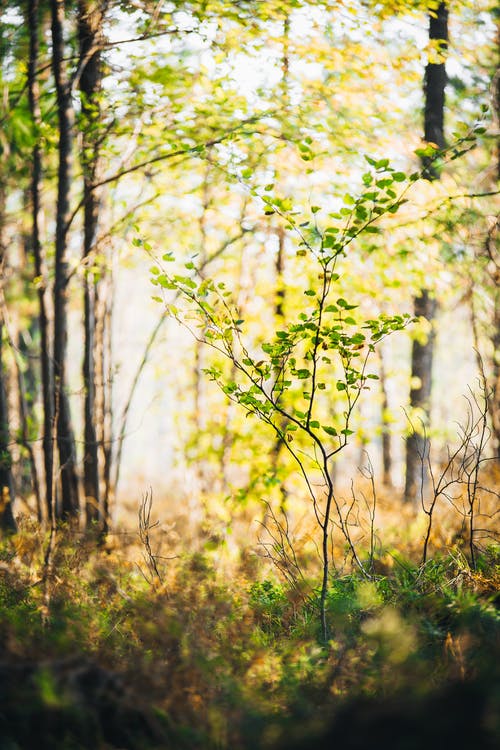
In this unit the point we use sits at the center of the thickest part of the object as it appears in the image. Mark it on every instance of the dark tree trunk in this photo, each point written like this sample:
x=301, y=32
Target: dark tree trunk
x=434, y=86
x=69, y=505
x=424, y=305
x=36, y=177
x=89, y=30
x=420, y=397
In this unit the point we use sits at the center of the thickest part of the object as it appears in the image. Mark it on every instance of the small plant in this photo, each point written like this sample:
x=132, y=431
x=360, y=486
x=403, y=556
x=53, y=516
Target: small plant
x=460, y=480
x=318, y=358
x=146, y=526
x=269, y=601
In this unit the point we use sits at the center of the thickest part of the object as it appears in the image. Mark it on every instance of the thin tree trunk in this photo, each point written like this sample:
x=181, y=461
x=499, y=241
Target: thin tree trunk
x=89, y=30
x=425, y=305
x=46, y=368
x=420, y=396
x=69, y=505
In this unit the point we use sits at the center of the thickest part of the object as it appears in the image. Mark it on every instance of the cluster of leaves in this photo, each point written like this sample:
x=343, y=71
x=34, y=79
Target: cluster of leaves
x=325, y=346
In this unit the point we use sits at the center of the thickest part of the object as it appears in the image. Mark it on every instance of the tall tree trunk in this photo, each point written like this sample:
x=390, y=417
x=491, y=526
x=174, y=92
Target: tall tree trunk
x=89, y=31
x=7, y=522
x=36, y=177
x=425, y=305
x=69, y=505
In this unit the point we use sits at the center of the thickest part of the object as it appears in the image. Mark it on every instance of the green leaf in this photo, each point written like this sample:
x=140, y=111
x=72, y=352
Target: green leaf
x=329, y=430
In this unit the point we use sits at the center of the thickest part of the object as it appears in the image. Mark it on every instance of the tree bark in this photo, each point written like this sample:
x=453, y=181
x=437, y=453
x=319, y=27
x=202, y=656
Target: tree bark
x=89, y=31
x=35, y=188
x=420, y=397
x=69, y=505
x=425, y=305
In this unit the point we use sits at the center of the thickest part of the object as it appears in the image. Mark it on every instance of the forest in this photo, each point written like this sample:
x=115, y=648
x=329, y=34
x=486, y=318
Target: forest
x=249, y=374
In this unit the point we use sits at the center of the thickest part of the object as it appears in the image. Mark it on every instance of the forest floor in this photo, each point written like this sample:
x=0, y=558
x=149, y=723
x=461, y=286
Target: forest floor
x=115, y=646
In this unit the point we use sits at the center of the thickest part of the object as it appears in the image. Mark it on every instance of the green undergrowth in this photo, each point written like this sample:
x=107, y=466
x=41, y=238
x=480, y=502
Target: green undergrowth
x=94, y=655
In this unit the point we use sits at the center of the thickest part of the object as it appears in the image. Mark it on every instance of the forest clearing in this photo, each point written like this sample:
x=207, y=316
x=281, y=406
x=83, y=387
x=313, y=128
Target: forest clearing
x=249, y=374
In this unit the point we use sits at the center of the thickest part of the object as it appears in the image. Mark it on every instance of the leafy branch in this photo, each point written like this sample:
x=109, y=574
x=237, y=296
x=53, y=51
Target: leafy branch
x=320, y=355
